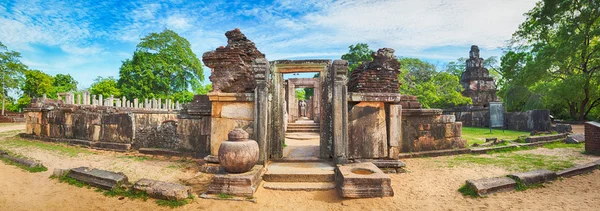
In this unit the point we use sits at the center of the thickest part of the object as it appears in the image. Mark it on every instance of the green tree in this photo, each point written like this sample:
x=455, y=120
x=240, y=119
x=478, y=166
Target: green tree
x=202, y=90
x=105, y=87
x=36, y=84
x=163, y=64
x=433, y=89
x=11, y=72
x=357, y=54
x=62, y=83
x=300, y=94
x=562, y=41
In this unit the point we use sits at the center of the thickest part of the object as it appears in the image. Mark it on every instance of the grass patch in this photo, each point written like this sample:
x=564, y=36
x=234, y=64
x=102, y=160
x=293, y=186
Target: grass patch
x=224, y=196
x=523, y=187
x=466, y=190
x=71, y=181
x=514, y=162
x=172, y=203
x=559, y=145
x=130, y=193
x=71, y=151
x=478, y=135
x=510, y=149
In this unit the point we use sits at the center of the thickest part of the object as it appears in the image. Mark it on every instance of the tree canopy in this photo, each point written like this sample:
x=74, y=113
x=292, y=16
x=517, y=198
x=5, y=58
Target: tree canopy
x=105, y=87
x=357, y=54
x=554, y=59
x=163, y=66
x=11, y=72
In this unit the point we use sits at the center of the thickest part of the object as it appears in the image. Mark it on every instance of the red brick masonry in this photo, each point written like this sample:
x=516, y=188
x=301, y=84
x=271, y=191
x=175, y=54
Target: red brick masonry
x=592, y=137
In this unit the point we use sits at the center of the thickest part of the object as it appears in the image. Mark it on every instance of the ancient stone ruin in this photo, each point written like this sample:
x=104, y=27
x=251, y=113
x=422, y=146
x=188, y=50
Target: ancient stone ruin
x=231, y=65
x=378, y=76
x=477, y=82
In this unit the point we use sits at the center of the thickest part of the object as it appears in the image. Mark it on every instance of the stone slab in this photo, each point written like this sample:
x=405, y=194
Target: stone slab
x=577, y=170
x=211, y=168
x=300, y=172
x=374, y=97
x=299, y=186
x=575, y=138
x=23, y=161
x=533, y=139
x=363, y=180
x=238, y=110
x=244, y=184
x=534, y=177
x=112, y=146
x=98, y=178
x=211, y=159
x=60, y=172
x=163, y=190
x=492, y=185
x=384, y=163
x=367, y=131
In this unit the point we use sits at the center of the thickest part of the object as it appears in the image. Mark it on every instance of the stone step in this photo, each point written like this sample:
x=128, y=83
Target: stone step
x=98, y=178
x=300, y=172
x=293, y=130
x=299, y=186
x=303, y=126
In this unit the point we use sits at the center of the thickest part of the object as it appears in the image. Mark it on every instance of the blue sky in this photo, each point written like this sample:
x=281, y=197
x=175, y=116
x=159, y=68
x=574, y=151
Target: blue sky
x=90, y=38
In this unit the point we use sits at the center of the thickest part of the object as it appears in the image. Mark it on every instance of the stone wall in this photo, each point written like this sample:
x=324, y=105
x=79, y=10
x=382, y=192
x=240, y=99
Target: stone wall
x=117, y=127
x=533, y=120
x=428, y=129
x=592, y=137
x=378, y=76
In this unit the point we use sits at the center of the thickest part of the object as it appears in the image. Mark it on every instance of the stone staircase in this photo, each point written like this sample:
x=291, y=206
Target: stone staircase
x=300, y=127
x=299, y=176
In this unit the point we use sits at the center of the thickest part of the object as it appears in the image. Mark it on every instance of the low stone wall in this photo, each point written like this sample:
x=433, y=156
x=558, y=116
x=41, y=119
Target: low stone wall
x=103, y=126
x=428, y=129
x=592, y=137
x=533, y=120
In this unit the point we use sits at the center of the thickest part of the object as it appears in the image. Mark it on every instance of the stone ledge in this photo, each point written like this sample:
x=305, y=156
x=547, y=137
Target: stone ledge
x=421, y=112
x=98, y=178
x=435, y=153
x=383, y=163
x=374, y=97
x=23, y=161
x=159, y=151
x=534, y=177
x=492, y=185
x=362, y=180
x=221, y=96
x=533, y=139
x=577, y=170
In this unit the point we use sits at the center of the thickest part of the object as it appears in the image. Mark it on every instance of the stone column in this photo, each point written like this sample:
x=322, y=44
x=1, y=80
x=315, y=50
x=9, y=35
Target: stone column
x=159, y=104
x=261, y=124
x=135, y=103
x=395, y=131
x=79, y=99
x=93, y=101
x=177, y=106
x=292, y=102
x=44, y=96
x=340, y=111
x=277, y=114
x=100, y=100
x=124, y=102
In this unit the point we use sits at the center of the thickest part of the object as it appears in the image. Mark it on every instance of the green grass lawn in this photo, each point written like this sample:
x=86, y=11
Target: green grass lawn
x=478, y=135
x=64, y=149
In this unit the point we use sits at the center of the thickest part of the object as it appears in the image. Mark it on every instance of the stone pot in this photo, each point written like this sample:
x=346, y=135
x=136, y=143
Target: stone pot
x=238, y=154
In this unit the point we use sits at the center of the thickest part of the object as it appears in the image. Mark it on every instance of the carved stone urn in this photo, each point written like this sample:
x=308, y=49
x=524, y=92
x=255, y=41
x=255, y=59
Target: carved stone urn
x=238, y=154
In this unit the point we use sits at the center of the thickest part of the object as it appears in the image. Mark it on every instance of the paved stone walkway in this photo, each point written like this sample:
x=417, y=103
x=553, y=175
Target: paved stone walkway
x=302, y=144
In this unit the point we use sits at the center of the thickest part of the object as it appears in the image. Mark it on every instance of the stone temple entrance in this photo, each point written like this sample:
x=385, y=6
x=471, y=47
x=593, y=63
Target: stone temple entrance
x=302, y=126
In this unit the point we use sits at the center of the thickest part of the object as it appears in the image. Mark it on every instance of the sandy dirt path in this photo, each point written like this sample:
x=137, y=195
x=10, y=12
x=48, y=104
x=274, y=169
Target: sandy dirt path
x=428, y=186
x=4, y=127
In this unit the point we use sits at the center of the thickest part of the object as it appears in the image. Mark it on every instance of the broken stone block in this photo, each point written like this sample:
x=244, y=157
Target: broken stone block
x=492, y=185
x=98, y=178
x=378, y=76
x=163, y=190
x=362, y=180
x=60, y=172
x=564, y=128
x=577, y=170
x=534, y=177
x=210, y=168
x=575, y=138
x=22, y=161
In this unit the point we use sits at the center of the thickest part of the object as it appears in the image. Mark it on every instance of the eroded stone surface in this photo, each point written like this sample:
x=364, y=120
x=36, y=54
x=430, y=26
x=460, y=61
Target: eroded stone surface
x=492, y=185
x=575, y=138
x=367, y=131
x=98, y=178
x=577, y=170
x=163, y=190
x=244, y=184
x=363, y=180
x=534, y=177
x=231, y=65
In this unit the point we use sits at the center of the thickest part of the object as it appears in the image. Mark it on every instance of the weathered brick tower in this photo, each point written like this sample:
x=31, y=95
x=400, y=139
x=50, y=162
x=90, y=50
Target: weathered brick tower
x=476, y=80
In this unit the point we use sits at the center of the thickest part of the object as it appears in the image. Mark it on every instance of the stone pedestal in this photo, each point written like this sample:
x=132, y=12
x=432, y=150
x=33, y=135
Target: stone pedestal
x=362, y=180
x=229, y=111
x=244, y=184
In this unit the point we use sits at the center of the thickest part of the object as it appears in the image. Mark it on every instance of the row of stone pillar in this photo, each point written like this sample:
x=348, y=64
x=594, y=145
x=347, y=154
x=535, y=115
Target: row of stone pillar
x=86, y=98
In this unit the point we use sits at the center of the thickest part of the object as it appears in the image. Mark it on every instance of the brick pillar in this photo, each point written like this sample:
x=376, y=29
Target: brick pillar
x=592, y=138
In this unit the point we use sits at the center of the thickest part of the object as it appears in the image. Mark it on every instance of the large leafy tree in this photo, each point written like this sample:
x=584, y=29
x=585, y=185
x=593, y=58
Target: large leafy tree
x=163, y=66
x=433, y=89
x=105, y=87
x=357, y=54
x=556, y=54
x=36, y=84
x=11, y=72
